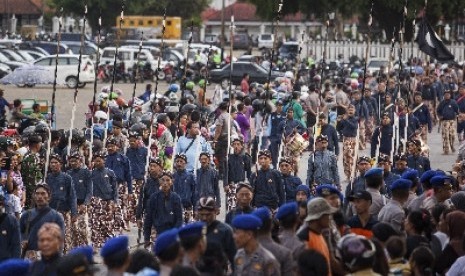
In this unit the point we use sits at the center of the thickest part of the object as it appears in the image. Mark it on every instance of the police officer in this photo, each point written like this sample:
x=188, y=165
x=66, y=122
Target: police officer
x=252, y=258
x=244, y=195
x=281, y=253
x=115, y=254
x=393, y=212
x=63, y=198
x=184, y=185
x=217, y=231
x=82, y=179
x=168, y=251
x=389, y=177
x=207, y=180
x=374, y=183
x=105, y=198
x=288, y=216
x=442, y=187
x=358, y=184
x=164, y=210
x=322, y=166
x=239, y=169
x=382, y=137
x=425, y=181
x=151, y=186
x=121, y=166
x=290, y=182
x=267, y=183
x=10, y=239
x=193, y=243
x=420, y=110
x=448, y=110
x=416, y=160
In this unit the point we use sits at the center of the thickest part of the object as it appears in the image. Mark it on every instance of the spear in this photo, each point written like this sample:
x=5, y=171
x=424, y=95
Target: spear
x=95, y=88
x=136, y=73
x=401, y=44
x=76, y=89
x=232, y=27
x=52, y=109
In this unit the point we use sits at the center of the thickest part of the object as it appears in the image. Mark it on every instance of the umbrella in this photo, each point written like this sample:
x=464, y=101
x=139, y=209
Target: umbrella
x=29, y=75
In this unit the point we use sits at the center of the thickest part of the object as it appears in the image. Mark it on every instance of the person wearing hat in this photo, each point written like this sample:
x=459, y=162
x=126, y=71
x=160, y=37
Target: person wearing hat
x=121, y=166
x=393, y=212
x=330, y=132
x=117, y=134
x=15, y=267
x=33, y=219
x=358, y=183
x=447, y=111
x=400, y=163
x=82, y=180
x=288, y=216
x=184, y=185
x=374, y=185
x=10, y=240
x=361, y=111
x=415, y=159
x=63, y=197
x=105, y=197
x=420, y=110
x=191, y=144
x=407, y=131
x=372, y=113
x=31, y=168
x=192, y=237
x=168, y=251
x=358, y=254
x=267, y=184
x=281, y=253
x=151, y=186
x=207, y=180
x=348, y=125
x=239, y=169
x=252, y=258
x=244, y=195
x=115, y=254
x=290, y=181
x=75, y=265
x=384, y=162
x=50, y=244
x=417, y=203
x=318, y=220
x=322, y=165
x=287, y=129
x=217, y=231
x=412, y=175
x=442, y=187
x=363, y=221
x=164, y=209
x=274, y=121
x=381, y=141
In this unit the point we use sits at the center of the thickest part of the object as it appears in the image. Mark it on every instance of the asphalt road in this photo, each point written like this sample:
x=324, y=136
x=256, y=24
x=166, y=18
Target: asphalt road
x=64, y=100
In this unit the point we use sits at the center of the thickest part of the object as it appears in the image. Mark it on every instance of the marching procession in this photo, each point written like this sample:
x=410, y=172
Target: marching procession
x=213, y=184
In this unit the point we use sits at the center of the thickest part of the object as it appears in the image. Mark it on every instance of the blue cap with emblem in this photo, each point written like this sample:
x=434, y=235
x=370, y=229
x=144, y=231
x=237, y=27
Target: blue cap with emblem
x=411, y=175
x=114, y=245
x=194, y=229
x=303, y=188
x=325, y=190
x=14, y=267
x=86, y=250
x=374, y=172
x=401, y=184
x=287, y=209
x=263, y=213
x=246, y=222
x=165, y=240
x=426, y=176
x=440, y=181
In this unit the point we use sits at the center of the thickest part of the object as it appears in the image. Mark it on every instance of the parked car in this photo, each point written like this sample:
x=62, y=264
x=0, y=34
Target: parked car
x=49, y=47
x=68, y=69
x=289, y=50
x=128, y=56
x=212, y=39
x=4, y=70
x=89, y=48
x=242, y=41
x=375, y=64
x=265, y=41
x=255, y=71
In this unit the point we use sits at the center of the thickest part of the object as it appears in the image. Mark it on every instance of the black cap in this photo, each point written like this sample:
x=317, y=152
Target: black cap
x=360, y=195
x=74, y=264
x=321, y=137
x=364, y=159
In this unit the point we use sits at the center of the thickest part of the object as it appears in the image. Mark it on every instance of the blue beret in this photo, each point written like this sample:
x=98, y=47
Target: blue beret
x=114, y=245
x=440, y=181
x=410, y=175
x=263, y=213
x=85, y=250
x=426, y=176
x=195, y=229
x=401, y=184
x=14, y=267
x=326, y=189
x=287, y=210
x=247, y=222
x=303, y=188
x=165, y=240
x=374, y=172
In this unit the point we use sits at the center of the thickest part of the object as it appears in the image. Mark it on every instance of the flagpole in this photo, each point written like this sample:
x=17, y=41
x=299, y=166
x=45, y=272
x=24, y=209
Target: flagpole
x=401, y=45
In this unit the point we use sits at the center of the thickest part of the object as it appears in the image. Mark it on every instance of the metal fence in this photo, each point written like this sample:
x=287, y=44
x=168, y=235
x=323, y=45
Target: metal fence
x=348, y=49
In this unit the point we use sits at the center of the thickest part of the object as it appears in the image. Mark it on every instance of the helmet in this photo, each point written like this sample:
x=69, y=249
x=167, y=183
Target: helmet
x=190, y=85
x=289, y=75
x=173, y=97
x=357, y=252
x=202, y=83
x=99, y=114
x=41, y=128
x=173, y=87
x=354, y=75
x=77, y=136
x=138, y=128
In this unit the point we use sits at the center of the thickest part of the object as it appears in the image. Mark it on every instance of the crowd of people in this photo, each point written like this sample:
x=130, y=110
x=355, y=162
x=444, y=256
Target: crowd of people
x=161, y=165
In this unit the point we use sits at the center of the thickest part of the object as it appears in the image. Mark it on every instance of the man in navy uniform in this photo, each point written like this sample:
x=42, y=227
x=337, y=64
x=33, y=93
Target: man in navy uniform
x=417, y=161
x=382, y=137
x=193, y=241
x=244, y=195
x=421, y=111
x=274, y=121
x=389, y=177
x=239, y=166
x=448, y=110
x=184, y=185
x=393, y=212
x=207, y=180
x=290, y=181
x=322, y=166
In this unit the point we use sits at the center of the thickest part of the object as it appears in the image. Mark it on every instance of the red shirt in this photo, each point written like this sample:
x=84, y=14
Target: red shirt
x=245, y=86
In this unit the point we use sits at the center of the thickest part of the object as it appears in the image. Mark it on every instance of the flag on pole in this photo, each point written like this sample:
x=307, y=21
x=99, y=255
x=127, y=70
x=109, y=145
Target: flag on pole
x=431, y=44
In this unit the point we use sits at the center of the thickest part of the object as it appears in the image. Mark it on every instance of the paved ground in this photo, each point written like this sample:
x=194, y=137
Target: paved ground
x=64, y=98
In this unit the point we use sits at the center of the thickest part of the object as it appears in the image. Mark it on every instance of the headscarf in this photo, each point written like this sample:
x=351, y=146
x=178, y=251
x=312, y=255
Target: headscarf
x=456, y=224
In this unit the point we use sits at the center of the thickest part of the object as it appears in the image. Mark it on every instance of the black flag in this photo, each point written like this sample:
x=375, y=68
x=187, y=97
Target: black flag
x=430, y=43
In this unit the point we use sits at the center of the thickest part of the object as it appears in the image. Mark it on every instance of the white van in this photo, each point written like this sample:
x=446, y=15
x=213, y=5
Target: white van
x=265, y=41
x=128, y=55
